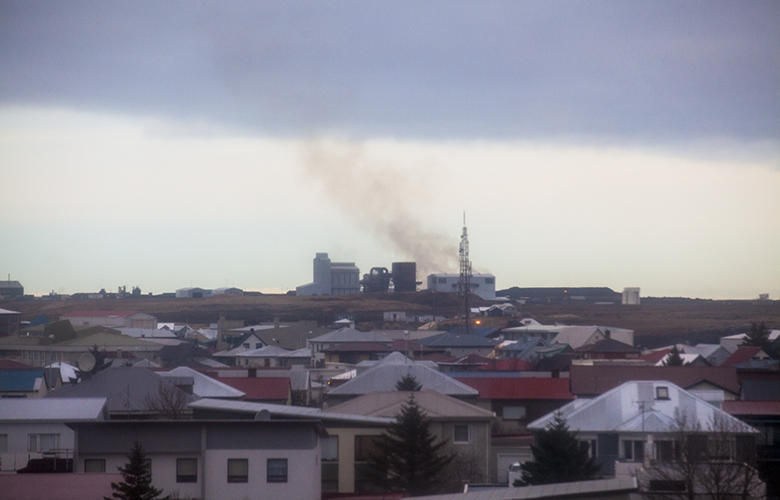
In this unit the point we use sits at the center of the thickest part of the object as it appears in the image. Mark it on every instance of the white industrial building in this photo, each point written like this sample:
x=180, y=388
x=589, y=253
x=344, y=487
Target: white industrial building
x=482, y=285
x=631, y=296
x=332, y=278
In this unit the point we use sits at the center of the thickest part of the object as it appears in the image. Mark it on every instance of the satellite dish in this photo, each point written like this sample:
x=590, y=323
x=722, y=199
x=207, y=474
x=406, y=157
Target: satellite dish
x=263, y=415
x=86, y=362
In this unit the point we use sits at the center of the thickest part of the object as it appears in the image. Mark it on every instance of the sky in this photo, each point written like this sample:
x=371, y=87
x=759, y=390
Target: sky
x=589, y=143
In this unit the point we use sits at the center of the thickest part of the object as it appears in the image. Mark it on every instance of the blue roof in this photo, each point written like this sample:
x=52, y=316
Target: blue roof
x=19, y=380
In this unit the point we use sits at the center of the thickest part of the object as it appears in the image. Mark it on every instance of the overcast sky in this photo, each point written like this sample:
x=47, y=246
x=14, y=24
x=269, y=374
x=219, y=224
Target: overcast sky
x=590, y=143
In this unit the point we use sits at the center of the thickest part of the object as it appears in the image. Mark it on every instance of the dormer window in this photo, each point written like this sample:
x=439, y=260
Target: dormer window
x=661, y=392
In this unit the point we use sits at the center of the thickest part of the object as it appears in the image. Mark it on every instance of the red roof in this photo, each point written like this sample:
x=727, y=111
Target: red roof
x=9, y=364
x=259, y=388
x=98, y=314
x=598, y=379
x=655, y=356
x=507, y=365
x=519, y=387
x=741, y=355
x=751, y=407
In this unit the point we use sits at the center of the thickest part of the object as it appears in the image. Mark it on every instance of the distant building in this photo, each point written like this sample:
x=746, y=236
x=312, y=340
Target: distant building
x=10, y=322
x=192, y=293
x=482, y=285
x=11, y=289
x=332, y=278
x=227, y=290
x=111, y=319
x=631, y=296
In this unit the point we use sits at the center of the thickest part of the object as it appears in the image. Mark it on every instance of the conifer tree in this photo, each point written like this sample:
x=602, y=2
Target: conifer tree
x=136, y=479
x=408, y=458
x=558, y=457
x=408, y=383
x=758, y=336
x=674, y=358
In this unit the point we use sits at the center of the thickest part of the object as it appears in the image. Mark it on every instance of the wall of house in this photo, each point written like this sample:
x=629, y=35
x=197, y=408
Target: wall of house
x=346, y=463
x=17, y=436
x=476, y=451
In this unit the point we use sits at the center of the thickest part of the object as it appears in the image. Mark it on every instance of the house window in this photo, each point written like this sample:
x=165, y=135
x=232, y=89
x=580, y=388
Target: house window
x=666, y=485
x=186, y=470
x=3, y=443
x=365, y=446
x=590, y=446
x=330, y=449
x=43, y=442
x=666, y=451
x=277, y=470
x=238, y=470
x=661, y=392
x=462, y=434
x=634, y=451
x=490, y=281
x=94, y=465
x=513, y=412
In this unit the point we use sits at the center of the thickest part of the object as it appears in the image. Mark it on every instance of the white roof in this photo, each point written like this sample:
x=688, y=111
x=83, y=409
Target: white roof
x=269, y=351
x=156, y=333
x=287, y=411
x=6, y=311
x=634, y=407
x=67, y=371
x=204, y=386
x=54, y=409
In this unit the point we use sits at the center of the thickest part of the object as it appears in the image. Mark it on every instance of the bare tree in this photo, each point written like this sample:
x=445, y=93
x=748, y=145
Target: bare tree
x=716, y=463
x=170, y=401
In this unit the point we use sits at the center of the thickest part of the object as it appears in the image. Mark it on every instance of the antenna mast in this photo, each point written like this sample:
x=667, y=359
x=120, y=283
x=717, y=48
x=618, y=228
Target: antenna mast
x=464, y=285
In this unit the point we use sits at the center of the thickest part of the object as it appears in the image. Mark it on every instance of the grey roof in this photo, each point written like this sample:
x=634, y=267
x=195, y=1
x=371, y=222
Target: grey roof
x=389, y=403
x=457, y=340
x=384, y=376
x=705, y=350
x=298, y=353
x=125, y=388
x=633, y=407
x=204, y=386
x=560, y=490
x=351, y=335
x=156, y=333
x=394, y=358
x=269, y=351
x=285, y=411
x=48, y=409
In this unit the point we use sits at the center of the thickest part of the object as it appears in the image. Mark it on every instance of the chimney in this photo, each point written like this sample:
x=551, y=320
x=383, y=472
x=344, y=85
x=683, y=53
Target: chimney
x=607, y=333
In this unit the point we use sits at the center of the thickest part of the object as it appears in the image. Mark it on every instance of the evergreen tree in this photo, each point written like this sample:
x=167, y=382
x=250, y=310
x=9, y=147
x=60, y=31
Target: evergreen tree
x=408, y=383
x=136, y=479
x=674, y=358
x=558, y=457
x=408, y=458
x=758, y=336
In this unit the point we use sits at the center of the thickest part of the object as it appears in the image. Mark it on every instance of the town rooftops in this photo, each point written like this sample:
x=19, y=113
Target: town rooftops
x=389, y=403
x=743, y=354
x=260, y=388
x=457, y=340
x=598, y=379
x=519, y=388
x=351, y=335
x=286, y=412
x=203, y=385
x=46, y=409
x=99, y=314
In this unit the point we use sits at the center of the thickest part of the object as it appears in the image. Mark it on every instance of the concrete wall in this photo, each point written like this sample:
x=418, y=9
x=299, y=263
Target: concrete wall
x=17, y=454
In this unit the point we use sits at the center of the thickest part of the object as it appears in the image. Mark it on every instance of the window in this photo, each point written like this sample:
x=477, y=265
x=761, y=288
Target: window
x=490, y=281
x=238, y=470
x=277, y=470
x=513, y=412
x=441, y=280
x=330, y=449
x=666, y=451
x=634, y=451
x=590, y=446
x=661, y=392
x=462, y=433
x=4, y=443
x=186, y=470
x=365, y=445
x=666, y=485
x=94, y=465
x=43, y=442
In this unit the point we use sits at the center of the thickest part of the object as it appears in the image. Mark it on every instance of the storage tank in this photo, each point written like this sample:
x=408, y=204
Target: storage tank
x=376, y=282
x=405, y=276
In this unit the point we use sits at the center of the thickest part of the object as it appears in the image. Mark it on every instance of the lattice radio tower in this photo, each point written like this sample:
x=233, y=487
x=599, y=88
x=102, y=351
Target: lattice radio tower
x=464, y=285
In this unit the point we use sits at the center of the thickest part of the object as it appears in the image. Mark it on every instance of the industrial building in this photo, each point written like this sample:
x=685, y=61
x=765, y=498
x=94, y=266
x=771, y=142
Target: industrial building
x=332, y=278
x=403, y=278
x=482, y=285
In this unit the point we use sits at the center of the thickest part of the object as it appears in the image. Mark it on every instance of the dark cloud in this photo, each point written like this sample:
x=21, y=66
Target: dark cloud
x=640, y=71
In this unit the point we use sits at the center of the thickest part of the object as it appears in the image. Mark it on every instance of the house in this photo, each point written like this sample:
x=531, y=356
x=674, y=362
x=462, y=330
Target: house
x=203, y=386
x=266, y=357
x=111, y=319
x=459, y=344
x=636, y=421
x=732, y=342
x=515, y=401
x=35, y=429
x=273, y=390
x=132, y=393
x=384, y=375
x=251, y=459
x=343, y=336
x=10, y=322
x=18, y=380
x=464, y=426
x=744, y=355
x=299, y=382
x=715, y=354
x=714, y=384
x=343, y=450
x=608, y=348
x=578, y=336
x=355, y=352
